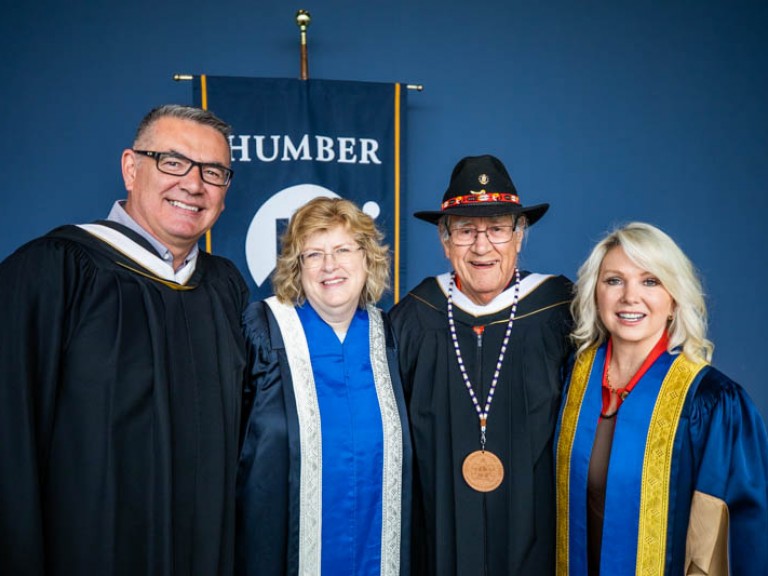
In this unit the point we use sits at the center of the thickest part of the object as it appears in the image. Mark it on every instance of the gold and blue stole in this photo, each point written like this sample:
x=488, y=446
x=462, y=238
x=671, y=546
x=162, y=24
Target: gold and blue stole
x=638, y=483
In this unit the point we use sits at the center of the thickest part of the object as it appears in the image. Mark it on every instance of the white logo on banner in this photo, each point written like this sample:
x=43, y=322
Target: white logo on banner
x=261, y=239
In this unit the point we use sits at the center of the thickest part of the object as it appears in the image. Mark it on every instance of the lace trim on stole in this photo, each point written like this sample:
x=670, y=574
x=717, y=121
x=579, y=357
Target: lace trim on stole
x=392, y=487
x=310, y=439
x=654, y=497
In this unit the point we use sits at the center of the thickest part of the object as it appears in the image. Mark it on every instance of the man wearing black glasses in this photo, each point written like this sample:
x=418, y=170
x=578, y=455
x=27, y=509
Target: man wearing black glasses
x=121, y=365
x=481, y=351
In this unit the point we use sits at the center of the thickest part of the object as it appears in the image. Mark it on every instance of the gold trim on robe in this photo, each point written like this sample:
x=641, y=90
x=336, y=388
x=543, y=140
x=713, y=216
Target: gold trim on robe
x=657, y=463
x=657, y=467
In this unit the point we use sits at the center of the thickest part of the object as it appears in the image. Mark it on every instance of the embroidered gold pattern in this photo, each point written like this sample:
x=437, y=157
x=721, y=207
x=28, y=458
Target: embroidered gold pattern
x=657, y=466
x=571, y=412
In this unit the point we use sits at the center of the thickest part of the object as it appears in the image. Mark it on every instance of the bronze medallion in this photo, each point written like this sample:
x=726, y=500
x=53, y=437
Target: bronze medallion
x=483, y=471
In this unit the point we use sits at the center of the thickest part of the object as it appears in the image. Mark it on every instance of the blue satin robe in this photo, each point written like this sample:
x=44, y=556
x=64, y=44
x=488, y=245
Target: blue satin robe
x=717, y=447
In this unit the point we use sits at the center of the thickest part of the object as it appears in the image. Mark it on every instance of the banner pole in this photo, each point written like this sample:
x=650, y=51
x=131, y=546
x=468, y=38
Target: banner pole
x=302, y=20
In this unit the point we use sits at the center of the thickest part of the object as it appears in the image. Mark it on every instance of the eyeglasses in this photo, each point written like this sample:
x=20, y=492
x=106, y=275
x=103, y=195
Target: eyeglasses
x=179, y=165
x=495, y=234
x=342, y=256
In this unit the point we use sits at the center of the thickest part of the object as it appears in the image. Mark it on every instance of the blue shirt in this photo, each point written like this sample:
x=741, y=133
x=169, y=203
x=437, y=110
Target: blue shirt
x=352, y=445
x=119, y=215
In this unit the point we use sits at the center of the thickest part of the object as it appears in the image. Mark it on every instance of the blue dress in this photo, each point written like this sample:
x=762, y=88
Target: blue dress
x=324, y=474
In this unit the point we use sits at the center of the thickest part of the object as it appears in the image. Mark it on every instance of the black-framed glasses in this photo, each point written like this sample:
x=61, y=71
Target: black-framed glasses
x=177, y=164
x=497, y=234
x=342, y=255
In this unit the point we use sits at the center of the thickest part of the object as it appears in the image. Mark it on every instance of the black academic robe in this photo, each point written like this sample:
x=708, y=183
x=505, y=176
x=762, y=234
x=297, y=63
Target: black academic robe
x=457, y=530
x=120, y=403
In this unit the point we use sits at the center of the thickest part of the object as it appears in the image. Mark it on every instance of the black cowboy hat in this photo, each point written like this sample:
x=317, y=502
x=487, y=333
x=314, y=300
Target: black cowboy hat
x=480, y=186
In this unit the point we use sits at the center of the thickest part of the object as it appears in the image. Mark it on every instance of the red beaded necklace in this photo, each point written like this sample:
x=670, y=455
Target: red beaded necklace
x=622, y=393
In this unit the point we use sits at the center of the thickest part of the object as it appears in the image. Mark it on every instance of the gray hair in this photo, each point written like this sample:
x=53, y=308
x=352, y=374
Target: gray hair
x=192, y=113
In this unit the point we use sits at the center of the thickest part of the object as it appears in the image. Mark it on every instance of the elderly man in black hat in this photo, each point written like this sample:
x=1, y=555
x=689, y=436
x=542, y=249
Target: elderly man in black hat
x=482, y=350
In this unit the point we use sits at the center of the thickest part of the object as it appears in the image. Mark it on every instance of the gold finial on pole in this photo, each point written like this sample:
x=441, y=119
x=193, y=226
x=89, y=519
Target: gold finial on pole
x=302, y=21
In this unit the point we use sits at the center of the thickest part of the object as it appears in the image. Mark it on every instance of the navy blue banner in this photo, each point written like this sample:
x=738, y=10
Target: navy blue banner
x=294, y=140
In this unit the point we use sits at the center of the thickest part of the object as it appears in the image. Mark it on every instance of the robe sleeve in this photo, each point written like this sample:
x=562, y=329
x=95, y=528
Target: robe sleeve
x=263, y=372
x=408, y=335
x=263, y=470
x=37, y=284
x=730, y=442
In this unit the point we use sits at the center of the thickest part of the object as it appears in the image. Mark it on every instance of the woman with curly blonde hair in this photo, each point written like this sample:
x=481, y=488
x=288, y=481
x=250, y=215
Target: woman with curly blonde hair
x=325, y=467
x=662, y=460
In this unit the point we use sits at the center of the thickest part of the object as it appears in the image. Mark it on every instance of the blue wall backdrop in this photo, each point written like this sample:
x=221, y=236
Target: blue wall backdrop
x=611, y=111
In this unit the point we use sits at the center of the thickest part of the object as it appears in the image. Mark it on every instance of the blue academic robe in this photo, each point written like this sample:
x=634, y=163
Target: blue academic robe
x=687, y=485
x=324, y=474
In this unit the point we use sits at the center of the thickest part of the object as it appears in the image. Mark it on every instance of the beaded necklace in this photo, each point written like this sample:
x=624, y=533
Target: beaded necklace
x=622, y=393
x=482, y=470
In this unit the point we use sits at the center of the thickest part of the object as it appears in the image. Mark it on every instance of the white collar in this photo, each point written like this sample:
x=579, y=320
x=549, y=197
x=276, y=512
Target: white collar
x=502, y=301
x=141, y=255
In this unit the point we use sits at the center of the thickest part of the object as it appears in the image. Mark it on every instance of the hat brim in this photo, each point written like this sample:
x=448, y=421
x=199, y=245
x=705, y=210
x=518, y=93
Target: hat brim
x=532, y=213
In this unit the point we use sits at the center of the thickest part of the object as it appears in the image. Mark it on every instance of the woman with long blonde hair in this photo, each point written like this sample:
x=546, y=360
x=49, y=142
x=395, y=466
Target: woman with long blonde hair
x=662, y=460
